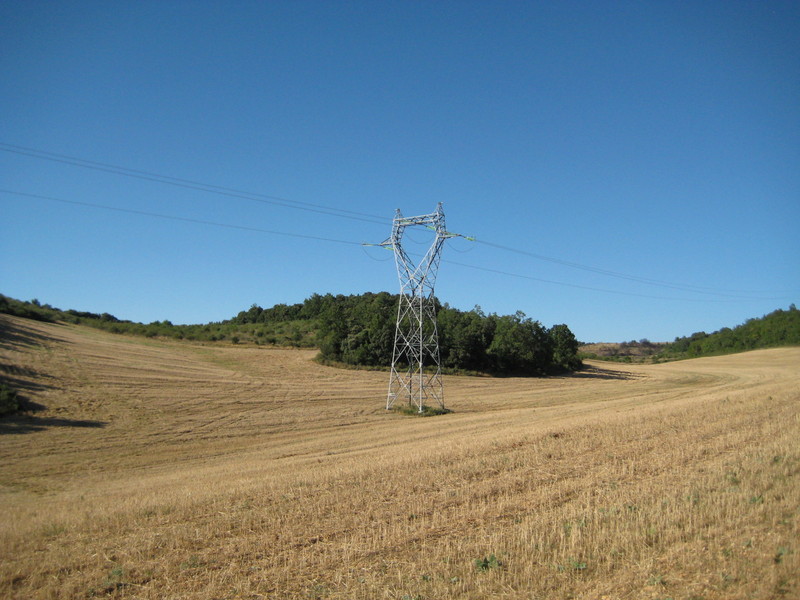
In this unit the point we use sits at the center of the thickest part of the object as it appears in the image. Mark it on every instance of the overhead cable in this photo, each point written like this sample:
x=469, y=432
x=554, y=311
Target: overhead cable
x=645, y=280
x=351, y=243
x=194, y=185
x=595, y=289
x=330, y=211
x=176, y=218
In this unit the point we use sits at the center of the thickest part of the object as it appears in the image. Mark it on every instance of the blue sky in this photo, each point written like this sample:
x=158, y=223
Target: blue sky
x=639, y=161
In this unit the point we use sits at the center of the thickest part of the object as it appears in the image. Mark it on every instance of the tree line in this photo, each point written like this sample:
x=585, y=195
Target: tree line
x=359, y=330
x=778, y=328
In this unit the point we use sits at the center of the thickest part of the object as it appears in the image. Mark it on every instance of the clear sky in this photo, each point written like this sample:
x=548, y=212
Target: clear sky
x=639, y=161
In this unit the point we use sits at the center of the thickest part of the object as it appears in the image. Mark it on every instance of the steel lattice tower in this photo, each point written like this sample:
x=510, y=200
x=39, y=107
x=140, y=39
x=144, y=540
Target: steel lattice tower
x=416, y=369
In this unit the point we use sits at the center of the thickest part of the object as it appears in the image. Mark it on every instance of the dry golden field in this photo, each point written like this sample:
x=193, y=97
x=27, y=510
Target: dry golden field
x=162, y=469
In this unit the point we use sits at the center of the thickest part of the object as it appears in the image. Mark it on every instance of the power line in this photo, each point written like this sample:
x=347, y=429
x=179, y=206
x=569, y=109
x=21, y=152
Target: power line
x=351, y=243
x=330, y=211
x=645, y=280
x=176, y=218
x=194, y=185
x=595, y=289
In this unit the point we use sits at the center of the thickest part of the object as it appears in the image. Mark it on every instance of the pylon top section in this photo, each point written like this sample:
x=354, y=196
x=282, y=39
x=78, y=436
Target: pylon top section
x=418, y=279
x=434, y=221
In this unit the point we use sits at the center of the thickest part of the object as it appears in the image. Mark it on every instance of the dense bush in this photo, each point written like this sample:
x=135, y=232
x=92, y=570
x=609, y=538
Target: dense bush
x=359, y=330
x=27, y=310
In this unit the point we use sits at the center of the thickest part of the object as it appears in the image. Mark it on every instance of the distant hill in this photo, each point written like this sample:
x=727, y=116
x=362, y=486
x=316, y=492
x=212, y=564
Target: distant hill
x=282, y=330
x=358, y=330
x=642, y=351
x=778, y=328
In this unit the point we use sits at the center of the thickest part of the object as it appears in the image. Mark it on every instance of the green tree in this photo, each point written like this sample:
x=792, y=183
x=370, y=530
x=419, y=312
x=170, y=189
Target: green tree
x=521, y=346
x=565, y=349
x=464, y=339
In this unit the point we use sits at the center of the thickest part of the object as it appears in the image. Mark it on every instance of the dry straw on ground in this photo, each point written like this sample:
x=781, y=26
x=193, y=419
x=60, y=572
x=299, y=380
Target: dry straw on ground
x=176, y=470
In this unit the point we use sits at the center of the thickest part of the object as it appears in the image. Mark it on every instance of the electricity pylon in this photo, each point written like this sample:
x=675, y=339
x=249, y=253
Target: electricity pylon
x=416, y=375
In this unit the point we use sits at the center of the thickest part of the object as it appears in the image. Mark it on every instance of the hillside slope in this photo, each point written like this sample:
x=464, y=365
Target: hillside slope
x=166, y=469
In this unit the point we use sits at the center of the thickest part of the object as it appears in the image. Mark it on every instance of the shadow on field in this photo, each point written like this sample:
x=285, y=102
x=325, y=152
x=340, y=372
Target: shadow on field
x=592, y=372
x=24, y=379
x=26, y=423
x=25, y=420
x=13, y=336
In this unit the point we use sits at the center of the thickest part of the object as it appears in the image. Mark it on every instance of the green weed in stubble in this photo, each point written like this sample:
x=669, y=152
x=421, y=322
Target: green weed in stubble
x=111, y=583
x=782, y=551
x=318, y=590
x=575, y=565
x=53, y=530
x=193, y=563
x=657, y=580
x=487, y=563
x=427, y=411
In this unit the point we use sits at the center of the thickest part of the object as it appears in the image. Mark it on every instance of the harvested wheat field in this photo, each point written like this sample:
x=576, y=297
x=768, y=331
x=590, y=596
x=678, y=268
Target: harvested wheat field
x=160, y=469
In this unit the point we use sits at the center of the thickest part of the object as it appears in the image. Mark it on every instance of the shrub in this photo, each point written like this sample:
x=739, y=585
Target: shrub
x=9, y=401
